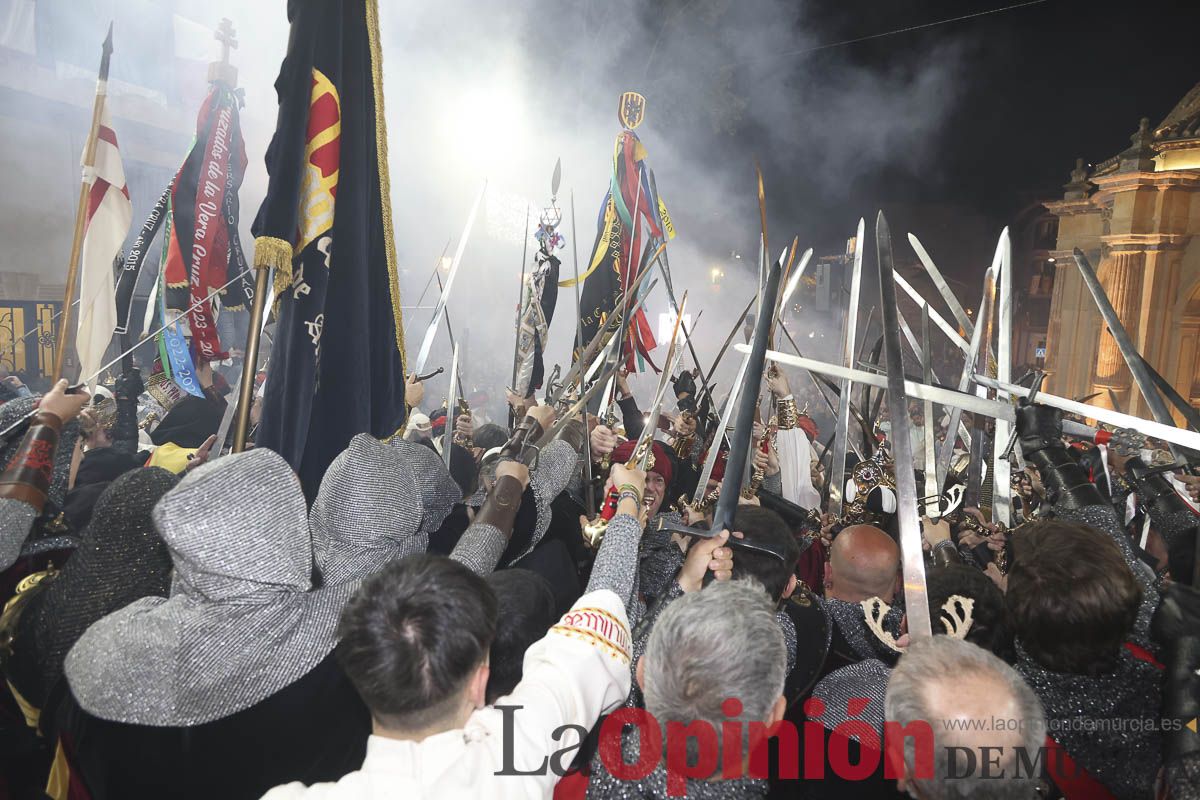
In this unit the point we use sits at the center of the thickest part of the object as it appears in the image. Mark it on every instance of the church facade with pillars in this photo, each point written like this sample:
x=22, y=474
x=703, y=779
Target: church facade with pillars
x=1136, y=217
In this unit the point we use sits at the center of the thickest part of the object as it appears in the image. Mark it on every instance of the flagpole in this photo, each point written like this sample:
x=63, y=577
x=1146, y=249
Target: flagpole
x=89, y=161
x=224, y=72
x=250, y=363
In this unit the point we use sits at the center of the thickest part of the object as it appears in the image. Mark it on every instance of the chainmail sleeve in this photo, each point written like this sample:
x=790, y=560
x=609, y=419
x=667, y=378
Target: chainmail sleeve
x=480, y=547
x=773, y=483
x=484, y=542
x=16, y=519
x=615, y=567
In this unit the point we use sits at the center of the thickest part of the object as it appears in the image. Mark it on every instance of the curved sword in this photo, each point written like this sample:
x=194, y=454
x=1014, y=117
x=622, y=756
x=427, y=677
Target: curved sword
x=431, y=331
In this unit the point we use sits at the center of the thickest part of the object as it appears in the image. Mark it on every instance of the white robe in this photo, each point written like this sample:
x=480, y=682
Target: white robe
x=577, y=672
x=795, y=467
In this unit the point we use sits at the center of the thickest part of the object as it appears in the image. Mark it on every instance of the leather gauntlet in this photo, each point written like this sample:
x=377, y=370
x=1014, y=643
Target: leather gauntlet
x=573, y=433
x=27, y=477
x=500, y=508
x=1066, y=482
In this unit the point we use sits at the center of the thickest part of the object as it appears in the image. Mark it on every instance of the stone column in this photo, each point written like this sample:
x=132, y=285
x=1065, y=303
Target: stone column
x=1053, y=332
x=1121, y=276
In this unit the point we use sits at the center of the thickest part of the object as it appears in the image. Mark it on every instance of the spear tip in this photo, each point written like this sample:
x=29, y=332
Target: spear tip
x=108, y=48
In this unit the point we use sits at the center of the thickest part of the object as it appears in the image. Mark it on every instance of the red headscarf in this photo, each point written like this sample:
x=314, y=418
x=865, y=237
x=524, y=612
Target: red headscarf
x=662, y=462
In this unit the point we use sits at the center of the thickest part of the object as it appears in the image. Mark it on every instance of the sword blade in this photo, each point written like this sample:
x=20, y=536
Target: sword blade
x=431, y=331
x=932, y=488
x=937, y=318
x=451, y=410
x=994, y=408
x=739, y=444
x=664, y=380
x=916, y=601
x=947, y=453
x=794, y=280
x=943, y=288
x=588, y=488
x=837, y=464
x=729, y=339
x=1133, y=359
x=1001, y=468
x=710, y=461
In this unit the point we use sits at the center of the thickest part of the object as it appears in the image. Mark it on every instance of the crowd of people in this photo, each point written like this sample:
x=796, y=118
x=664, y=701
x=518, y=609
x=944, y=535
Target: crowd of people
x=180, y=621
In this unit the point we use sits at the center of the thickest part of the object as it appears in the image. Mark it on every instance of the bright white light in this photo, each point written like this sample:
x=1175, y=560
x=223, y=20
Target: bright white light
x=666, y=324
x=484, y=126
x=505, y=213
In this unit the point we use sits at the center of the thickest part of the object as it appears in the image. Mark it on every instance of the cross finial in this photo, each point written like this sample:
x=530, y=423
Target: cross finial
x=226, y=35
x=222, y=71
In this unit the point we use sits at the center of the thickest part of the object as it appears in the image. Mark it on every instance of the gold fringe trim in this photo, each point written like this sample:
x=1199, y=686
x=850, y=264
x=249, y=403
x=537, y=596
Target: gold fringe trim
x=271, y=252
x=385, y=184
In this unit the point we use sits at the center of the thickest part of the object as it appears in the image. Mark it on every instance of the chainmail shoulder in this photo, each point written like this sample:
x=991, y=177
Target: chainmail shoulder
x=377, y=502
x=651, y=613
x=240, y=623
x=790, y=639
x=867, y=679
x=853, y=626
x=480, y=547
x=659, y=558
x=16, y=520
x=1108, y=722
x=1183, y=776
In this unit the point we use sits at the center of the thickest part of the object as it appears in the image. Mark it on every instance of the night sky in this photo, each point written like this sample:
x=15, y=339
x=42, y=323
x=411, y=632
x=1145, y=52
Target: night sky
x=1042, y=85
x=1022, y=94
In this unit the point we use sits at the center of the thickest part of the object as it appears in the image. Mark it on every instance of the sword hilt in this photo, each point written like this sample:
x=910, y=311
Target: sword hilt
x=593, y=530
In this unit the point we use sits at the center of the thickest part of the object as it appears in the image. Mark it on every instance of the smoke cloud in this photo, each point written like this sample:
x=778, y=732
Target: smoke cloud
x=490, y=91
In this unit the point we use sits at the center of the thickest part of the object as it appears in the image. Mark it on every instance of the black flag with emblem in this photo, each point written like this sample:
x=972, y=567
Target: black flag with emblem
x=337, y=362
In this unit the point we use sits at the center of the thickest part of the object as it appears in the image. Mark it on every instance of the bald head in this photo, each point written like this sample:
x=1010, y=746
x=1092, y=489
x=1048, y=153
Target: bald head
x=863, y=563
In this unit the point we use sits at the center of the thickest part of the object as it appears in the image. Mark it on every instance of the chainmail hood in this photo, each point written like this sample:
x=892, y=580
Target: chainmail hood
x=377, y=502
x=240, y=623
x=120, y=559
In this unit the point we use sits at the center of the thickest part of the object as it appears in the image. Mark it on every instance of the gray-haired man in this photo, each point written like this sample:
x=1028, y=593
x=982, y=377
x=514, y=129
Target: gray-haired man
x=714, y=666
x=968, y=716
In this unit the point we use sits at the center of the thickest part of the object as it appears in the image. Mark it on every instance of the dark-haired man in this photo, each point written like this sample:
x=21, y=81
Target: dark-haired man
x=415, y=641
x=1073, y=603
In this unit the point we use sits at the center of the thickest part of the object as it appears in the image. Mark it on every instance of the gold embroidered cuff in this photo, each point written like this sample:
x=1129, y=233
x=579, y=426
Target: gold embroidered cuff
x=788, y=413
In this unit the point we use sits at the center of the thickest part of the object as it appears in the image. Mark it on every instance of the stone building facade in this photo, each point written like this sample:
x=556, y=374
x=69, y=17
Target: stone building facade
x=1136, y=217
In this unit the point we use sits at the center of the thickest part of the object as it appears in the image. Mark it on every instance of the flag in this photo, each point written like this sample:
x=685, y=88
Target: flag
x=539, y=297
x=204, y=248
x=337, y=360
x=109, y=215
x=633, y=226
